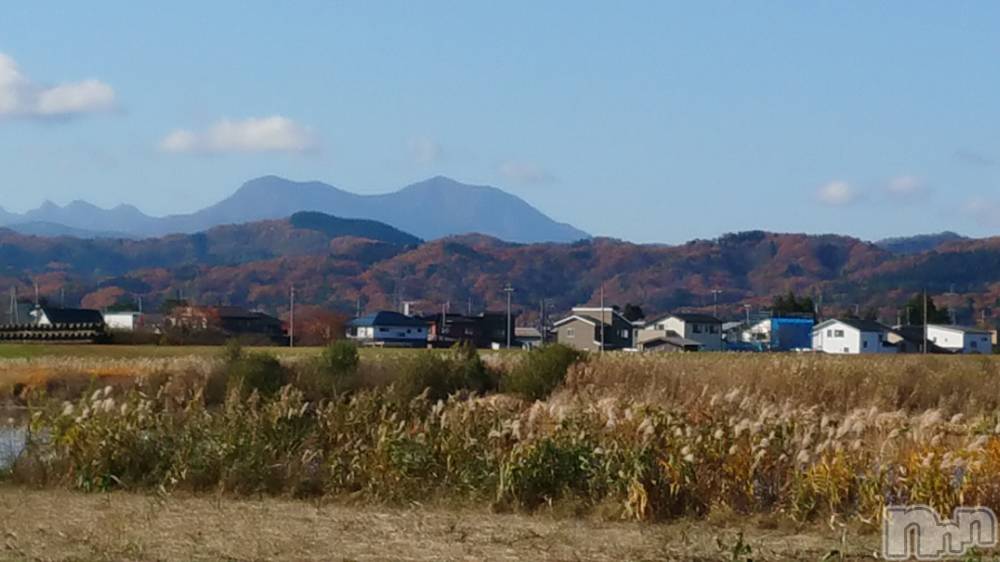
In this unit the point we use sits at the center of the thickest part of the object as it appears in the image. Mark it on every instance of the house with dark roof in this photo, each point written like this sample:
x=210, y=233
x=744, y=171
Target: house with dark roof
x=232, y=321
x=910, y=339
x=961, y=339
x=51, y=316
x=852, y=336
x=484, y=330
x=704, y=329
x=389, y=329
x=669, y=342
x=595, y=329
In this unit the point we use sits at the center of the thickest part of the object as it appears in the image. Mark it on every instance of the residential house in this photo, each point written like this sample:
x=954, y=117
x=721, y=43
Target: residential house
x=51, y=316
x=232, y=321
x=528, y=337
x=851, y=336
x=702, y=328
x=961, y=339
x=910, y=339
x=123, y=321
x=484, y=330
x=669, y=342
x=389, y=329
x=595, y=329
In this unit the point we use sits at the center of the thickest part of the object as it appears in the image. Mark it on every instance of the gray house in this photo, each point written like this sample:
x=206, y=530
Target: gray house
x=583, y=329
x=704, y=329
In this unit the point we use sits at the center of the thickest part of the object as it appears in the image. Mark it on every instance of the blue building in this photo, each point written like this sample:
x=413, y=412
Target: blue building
x=780, y=333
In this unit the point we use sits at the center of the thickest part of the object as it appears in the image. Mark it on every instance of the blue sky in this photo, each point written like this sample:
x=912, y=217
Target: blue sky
x=649, y=121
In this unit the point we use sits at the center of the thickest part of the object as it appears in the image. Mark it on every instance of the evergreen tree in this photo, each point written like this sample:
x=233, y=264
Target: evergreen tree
x=914, y=311
x=791, y=304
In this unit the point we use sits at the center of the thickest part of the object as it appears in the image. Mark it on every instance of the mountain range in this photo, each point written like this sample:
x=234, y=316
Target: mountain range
x=430, y=209
x=343, y=264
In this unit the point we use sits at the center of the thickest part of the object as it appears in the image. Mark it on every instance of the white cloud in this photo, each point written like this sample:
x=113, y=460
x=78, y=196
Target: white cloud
x=525, y=172
x=837, y=194
x=985, y=211
x=905, y=186
x=425, y=150
x=256, y=134
x=22, y=97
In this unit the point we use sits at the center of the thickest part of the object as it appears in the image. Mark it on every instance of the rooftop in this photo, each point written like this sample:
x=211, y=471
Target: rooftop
x=387, y=318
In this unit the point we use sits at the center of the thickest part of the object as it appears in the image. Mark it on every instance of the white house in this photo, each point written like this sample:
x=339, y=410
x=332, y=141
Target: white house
x=961, y=339
x=851, y=336
x=123, y=321
x=388, y=328
x=704, y=329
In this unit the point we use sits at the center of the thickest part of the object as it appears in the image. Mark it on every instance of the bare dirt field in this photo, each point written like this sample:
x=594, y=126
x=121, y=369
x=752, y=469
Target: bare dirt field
x=63, y=526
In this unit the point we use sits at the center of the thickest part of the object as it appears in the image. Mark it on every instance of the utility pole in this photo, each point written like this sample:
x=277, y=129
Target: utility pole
x=357, y=308
x=715, y=302
x=602, y=318
x=541, y=319
x=140, y=304
x=36, y=293
x=62, y=297
x=291, y=317
x=925, y=321
x=469, y=309
x=444, y=321
x=746, y=307
x=509, y=290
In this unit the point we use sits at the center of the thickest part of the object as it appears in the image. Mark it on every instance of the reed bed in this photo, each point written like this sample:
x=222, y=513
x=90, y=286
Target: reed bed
x=955, y=384
x=626, y=436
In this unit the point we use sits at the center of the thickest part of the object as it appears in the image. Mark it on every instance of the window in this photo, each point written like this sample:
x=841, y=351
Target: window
x=570, y=332
x=696, y=328
x=975, y=344
x=865, y=344
x=838, y=333
x=829, y=333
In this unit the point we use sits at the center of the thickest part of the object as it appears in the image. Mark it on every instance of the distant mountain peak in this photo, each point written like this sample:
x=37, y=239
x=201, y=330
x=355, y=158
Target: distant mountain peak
x=433, y=208
x=905, y=245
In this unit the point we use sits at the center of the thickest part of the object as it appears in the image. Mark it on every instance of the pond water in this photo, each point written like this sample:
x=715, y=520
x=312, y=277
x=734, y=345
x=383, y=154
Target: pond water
x=12, y=443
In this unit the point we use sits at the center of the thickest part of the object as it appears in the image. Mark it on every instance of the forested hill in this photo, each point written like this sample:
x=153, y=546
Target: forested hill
x=337, y=263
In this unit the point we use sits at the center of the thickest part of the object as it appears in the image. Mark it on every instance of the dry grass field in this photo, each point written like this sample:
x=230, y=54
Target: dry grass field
x=452, y=455
x=61, y=526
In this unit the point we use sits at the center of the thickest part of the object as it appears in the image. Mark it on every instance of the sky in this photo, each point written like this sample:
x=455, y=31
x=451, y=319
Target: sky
x=647, y=121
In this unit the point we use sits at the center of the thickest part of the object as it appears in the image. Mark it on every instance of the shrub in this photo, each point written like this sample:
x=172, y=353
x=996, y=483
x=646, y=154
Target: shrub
x=441, y=375
x=428, y=372
x=233, y=351
x=335, y=371
x=541, y=371
x=472, y=372
x=340, y=358
x=257, y=372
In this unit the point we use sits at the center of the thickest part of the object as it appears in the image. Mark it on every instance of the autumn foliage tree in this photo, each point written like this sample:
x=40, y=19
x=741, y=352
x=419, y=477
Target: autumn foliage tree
x=317, y=326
